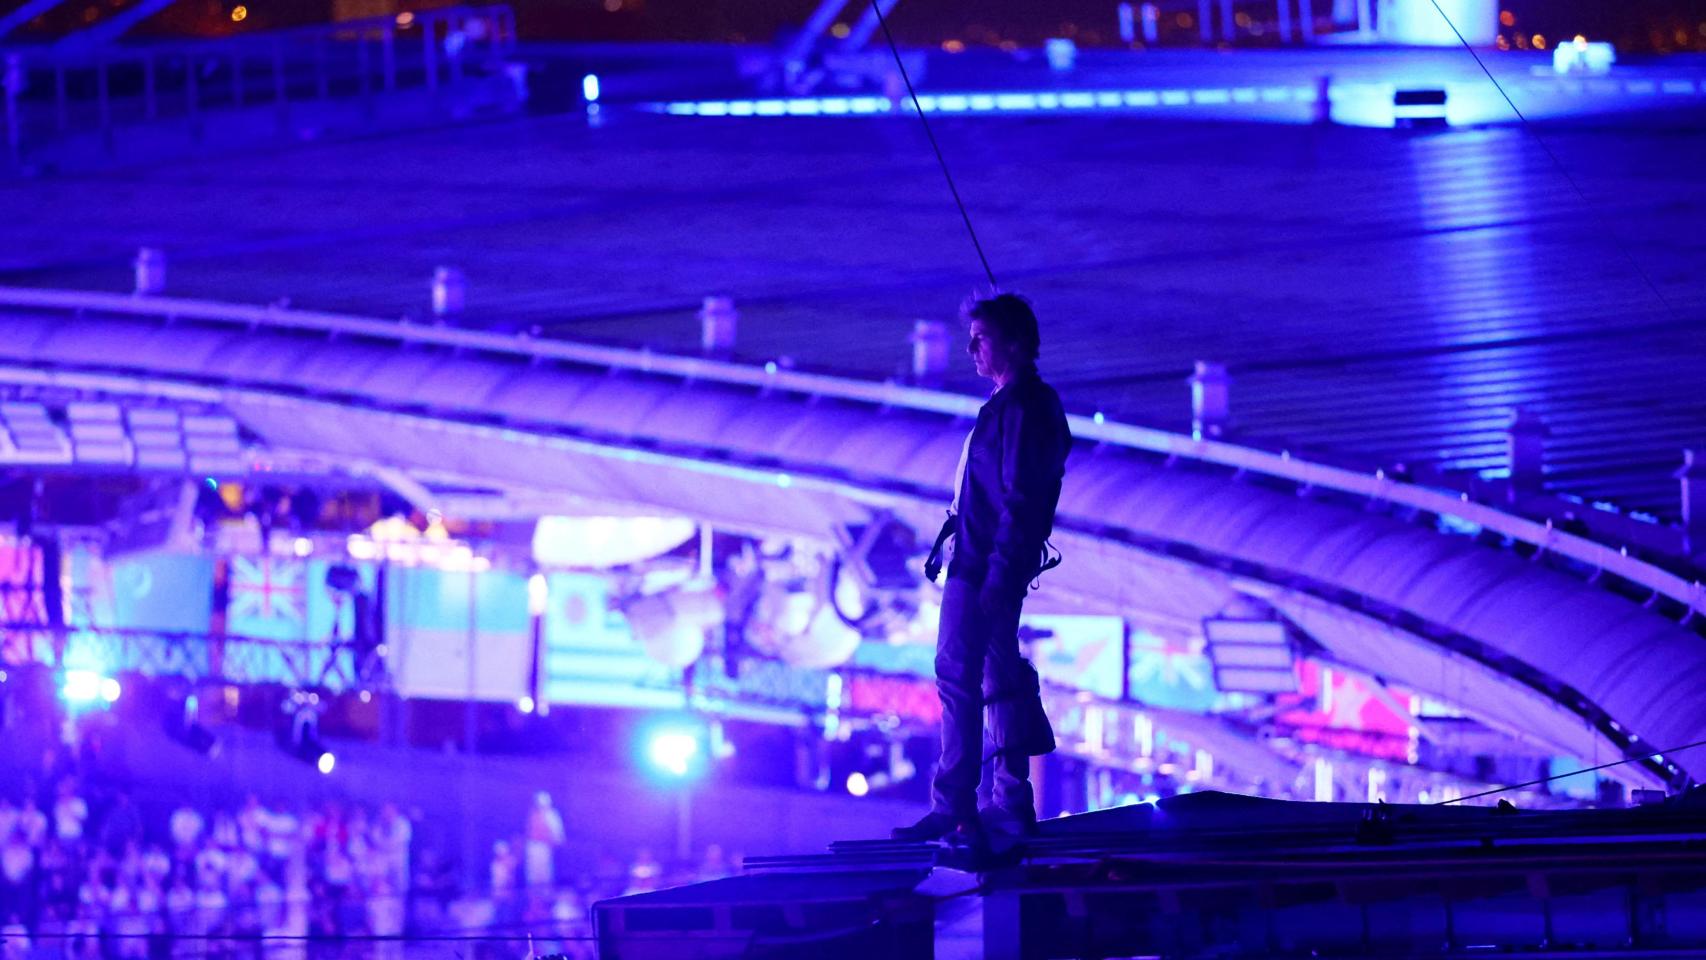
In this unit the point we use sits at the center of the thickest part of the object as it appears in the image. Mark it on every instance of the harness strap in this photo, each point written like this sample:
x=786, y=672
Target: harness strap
x=933, y=563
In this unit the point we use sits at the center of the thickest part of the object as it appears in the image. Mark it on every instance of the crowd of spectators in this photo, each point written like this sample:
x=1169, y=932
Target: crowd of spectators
x=101, y=884
x=96, y=877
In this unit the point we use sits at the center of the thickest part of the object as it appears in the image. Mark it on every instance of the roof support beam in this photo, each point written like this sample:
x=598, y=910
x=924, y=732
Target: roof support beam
x=110, y=29
x=30, y=10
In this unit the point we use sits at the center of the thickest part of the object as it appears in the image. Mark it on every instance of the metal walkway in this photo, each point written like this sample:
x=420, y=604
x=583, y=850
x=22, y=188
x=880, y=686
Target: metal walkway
x=1215, y=875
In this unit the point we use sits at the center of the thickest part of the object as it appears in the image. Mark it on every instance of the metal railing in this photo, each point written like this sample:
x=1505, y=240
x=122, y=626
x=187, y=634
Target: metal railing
x=1292, y=20
x=332, y=664
x=1373, y=486
x=51, y=94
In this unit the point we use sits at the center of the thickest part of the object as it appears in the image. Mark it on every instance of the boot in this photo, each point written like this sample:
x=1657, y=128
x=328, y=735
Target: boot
x=1012, y=822
x=940, y=826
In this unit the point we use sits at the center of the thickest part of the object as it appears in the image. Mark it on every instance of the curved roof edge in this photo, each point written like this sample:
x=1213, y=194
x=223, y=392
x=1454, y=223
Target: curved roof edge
x=803, y=460
x=1437, y=494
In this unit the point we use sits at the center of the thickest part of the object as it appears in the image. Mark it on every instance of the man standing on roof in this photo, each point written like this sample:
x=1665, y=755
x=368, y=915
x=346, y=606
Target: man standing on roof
x=1005, y=494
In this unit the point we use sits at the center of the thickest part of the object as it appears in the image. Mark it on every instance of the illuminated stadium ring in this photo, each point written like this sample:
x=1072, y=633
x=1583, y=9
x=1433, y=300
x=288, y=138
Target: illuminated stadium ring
x=1097, y=428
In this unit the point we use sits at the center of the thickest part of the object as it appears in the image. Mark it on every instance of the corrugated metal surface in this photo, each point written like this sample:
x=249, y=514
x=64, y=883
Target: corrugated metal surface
x=1158, y=543
x=1386, y=296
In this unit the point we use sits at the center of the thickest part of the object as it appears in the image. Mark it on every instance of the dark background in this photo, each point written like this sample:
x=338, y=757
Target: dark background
x=1635, y=26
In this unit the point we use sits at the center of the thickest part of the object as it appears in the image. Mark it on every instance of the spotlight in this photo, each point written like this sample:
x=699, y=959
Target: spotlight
x=81, y=687
x=877, y=764
x=675, y=752
x=309, y=749
x=85, y=689
x=872, y=584
x=300, y=735
x=857, y=785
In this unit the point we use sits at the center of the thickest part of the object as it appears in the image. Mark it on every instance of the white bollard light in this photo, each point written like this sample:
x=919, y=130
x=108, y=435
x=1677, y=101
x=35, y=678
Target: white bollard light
x=1211, y=401
x=516, y=74
x=449, y=291
x=718, y=324
x=930, y=348
x=1525, y=445
x=1693, y=478
x=1061, y=52
x=150, y=271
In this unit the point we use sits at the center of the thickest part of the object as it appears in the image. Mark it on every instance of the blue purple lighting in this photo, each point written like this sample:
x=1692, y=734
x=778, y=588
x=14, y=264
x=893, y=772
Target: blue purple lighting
x=1381, y=299
x=540, y=555
x=1353, y=103
x=675, y=751
x=86, y=688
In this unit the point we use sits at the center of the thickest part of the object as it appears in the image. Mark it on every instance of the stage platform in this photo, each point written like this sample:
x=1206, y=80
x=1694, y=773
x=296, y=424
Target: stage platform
x=1216, y=875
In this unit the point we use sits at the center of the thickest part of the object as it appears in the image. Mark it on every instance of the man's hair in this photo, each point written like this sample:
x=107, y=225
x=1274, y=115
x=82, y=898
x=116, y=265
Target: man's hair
x=1011, y=315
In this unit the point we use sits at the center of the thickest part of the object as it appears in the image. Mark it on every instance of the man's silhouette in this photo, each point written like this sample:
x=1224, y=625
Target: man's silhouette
x=1004, y=501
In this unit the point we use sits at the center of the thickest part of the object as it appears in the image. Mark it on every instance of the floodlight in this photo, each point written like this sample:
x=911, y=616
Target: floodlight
x=675, y=752
x=300, y=735
x=81, y=686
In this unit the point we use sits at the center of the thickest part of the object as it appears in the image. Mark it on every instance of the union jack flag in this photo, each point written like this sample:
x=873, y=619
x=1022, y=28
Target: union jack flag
x=268, y=598
x=1171, y=670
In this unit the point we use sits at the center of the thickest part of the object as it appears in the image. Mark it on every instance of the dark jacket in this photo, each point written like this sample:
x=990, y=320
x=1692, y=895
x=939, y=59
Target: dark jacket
x=1012, y=480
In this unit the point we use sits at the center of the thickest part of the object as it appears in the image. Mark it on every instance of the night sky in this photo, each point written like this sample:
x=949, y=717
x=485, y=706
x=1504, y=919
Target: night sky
x=1635, y=26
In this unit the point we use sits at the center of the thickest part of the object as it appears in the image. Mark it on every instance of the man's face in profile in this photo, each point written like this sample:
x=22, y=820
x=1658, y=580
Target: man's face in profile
x=991, y=354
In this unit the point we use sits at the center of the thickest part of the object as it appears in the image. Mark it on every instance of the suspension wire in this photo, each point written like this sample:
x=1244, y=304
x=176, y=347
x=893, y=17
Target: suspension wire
x=877, y=7
x=1528, y=126
x=1560, y=776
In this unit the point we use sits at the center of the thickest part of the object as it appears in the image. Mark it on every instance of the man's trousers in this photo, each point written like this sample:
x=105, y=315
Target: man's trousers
x=978, y=665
